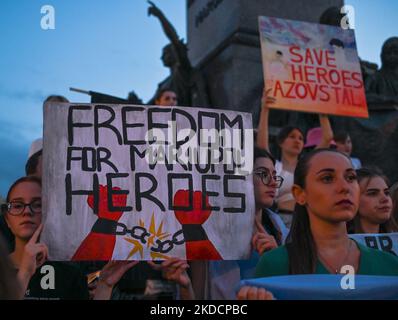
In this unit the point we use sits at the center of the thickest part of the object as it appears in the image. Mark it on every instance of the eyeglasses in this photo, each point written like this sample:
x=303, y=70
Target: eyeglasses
x=265, y=177
x=16, y=208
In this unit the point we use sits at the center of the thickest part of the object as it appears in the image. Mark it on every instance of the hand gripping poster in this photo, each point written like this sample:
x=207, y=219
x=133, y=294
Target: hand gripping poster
x=146, y=183
x=312, y=67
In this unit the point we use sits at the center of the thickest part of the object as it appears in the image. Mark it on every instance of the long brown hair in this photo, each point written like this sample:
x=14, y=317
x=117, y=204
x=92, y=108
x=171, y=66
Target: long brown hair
x=354, y=226
x=300, y=243
x=3, y=208
x=33, y=179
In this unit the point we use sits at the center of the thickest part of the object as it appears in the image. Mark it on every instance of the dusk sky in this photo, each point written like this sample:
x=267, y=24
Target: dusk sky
x=107, y=46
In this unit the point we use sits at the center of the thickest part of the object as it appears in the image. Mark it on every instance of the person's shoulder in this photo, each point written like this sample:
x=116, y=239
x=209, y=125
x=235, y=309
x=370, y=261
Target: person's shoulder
x=278, y=166
x=273, y=263
x=378, y=262
x=376, y=253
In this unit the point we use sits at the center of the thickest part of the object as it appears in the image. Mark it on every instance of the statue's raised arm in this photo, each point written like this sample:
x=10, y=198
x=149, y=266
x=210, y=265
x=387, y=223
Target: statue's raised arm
x=171, y=33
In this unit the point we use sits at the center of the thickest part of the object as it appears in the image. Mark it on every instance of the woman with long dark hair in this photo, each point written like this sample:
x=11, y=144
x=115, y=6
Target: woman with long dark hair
x=375, y=204
x=290, y=140
x=327, y=195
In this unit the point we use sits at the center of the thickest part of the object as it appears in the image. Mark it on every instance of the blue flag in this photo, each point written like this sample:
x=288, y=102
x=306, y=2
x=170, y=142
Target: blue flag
x=328, y=287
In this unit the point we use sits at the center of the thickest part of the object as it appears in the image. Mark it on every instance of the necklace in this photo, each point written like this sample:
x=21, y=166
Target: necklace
x=323, y=260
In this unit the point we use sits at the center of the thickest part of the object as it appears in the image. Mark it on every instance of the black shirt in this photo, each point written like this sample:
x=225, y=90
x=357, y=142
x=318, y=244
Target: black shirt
x=69, y=283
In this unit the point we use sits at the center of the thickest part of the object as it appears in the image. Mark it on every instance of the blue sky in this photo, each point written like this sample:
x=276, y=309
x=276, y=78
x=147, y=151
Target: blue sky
x=106, y=46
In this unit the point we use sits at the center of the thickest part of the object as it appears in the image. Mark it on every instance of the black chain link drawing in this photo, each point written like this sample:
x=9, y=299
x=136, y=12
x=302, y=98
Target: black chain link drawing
x=142, y=234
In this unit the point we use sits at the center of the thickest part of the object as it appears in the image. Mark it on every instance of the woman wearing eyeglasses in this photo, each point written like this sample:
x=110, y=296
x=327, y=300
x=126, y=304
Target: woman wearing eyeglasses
x=38, y=278
x=42, y=279
x=290, y=140
x=269, y=231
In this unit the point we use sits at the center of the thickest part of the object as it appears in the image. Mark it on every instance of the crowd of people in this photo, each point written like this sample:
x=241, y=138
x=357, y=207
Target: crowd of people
x=307, y=202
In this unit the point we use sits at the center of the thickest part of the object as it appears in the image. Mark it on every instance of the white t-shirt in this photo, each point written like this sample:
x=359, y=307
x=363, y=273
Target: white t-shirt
x=284, y=193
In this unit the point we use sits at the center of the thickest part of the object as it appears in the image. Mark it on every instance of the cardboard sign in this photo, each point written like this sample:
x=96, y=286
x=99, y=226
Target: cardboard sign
x=312, y=67
x=146, y=183
x=387, y=242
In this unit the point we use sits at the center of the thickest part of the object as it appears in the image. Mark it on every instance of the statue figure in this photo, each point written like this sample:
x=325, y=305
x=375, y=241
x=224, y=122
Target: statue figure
x=184, y=80
x=367, y=69
x=382, y=86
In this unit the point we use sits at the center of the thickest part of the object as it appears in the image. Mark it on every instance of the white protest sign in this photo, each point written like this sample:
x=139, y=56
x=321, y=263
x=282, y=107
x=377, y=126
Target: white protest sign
x=144, y=183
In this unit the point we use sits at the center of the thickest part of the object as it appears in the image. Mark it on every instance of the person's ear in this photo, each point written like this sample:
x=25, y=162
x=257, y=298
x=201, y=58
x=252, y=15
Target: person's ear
x=299, y=195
